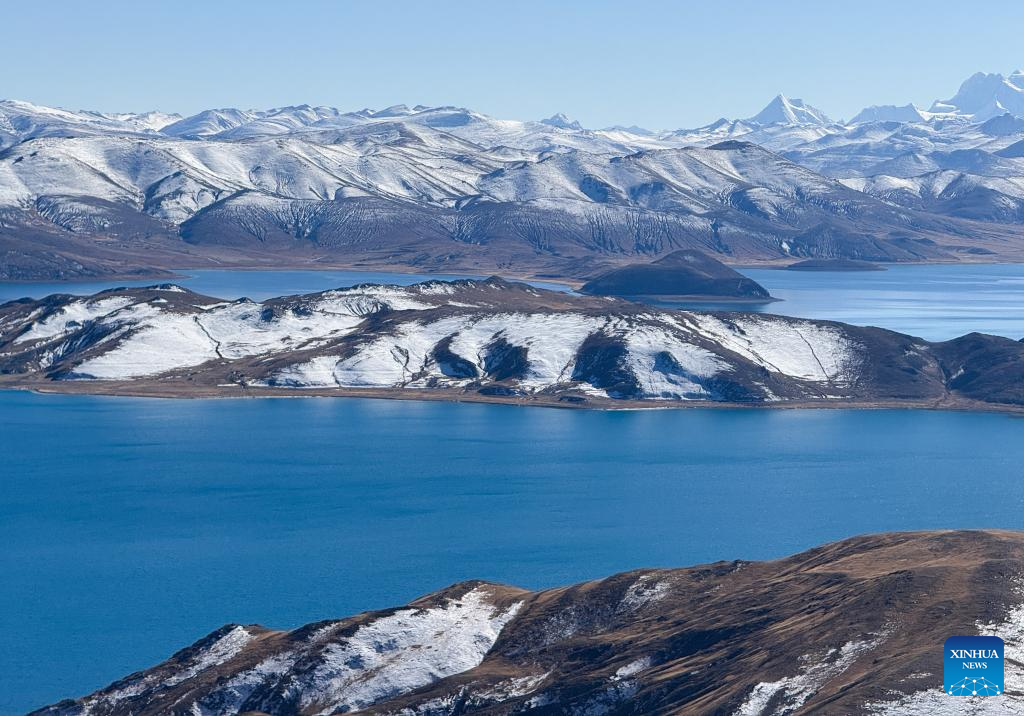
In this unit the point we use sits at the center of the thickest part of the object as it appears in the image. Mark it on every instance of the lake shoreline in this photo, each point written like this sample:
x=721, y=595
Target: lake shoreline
x=163, y=391
x=173, y=270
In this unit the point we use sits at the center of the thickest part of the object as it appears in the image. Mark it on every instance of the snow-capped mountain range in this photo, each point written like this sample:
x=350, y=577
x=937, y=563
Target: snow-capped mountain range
x=450, y=186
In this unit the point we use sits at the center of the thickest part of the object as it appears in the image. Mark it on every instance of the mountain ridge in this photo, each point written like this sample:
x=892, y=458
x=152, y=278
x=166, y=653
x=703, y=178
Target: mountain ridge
x=491, y=341
x=87, y=193
x=852, y=627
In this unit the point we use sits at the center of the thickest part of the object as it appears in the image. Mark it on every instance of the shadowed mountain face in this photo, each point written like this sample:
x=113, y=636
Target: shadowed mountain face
x=855, y=627
x=681, y=273
x=486, y=340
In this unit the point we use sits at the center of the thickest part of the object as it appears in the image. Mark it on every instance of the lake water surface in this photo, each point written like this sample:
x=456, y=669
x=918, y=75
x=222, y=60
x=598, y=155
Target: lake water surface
x=935, y=301
x=131, y=527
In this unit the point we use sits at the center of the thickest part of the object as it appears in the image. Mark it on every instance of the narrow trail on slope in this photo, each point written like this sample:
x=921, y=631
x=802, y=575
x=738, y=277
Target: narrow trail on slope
x=828, y=378
x=214, y=341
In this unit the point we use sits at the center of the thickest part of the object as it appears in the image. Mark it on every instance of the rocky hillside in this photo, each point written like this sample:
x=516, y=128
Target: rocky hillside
x=855, y=627
x=485, y=340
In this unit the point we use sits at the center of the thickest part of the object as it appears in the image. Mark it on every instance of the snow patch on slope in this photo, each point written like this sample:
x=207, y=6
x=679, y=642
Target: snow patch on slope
x=801, y=349
x=71, y=316
x=404, y=651
x=791, y=692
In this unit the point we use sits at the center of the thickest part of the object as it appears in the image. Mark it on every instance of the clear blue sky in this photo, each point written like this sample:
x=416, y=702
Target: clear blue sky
x=658, y=64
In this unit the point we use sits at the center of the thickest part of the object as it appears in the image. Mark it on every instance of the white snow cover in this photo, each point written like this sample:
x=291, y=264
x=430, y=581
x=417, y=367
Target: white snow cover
x=802, y=349
x=154, y=339
x=783, y=110
x=220, y=651
x=238, y=329
x=272, y=160
x=403, y=359
x=552, y=341
x=645, y=590
x=633, y=668
x=404, y=651
x=646, y=343
x=815, y=671
x=670, y=355
x=228, y=698
x=76, y=312
x=159, y=341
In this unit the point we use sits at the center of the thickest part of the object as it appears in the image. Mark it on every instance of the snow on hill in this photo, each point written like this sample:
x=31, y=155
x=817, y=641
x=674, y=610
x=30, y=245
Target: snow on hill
x=483, y=339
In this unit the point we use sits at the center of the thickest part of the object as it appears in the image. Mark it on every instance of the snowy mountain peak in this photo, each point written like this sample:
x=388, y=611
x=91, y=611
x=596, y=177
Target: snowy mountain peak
x=783, y=110
x=983, y=96
x=888, y=113
x=562, y=122
x=208, y=122
x=631, y=129
x=395, y=110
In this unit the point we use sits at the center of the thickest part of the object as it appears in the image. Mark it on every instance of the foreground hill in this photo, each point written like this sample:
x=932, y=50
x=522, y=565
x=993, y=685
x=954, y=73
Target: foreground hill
x=486, y=340
x=854, y=627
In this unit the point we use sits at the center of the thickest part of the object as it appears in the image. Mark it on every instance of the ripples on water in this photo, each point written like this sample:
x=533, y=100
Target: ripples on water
x=133, y=526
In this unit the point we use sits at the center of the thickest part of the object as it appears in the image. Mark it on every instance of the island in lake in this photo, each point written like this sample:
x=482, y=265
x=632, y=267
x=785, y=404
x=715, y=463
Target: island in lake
x=487, y=340
x=683, y=274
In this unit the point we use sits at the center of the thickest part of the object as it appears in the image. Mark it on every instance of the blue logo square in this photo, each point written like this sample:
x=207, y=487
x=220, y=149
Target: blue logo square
x=973, y=666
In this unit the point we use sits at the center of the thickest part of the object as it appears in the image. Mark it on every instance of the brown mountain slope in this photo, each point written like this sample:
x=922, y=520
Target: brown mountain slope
x=852, y=627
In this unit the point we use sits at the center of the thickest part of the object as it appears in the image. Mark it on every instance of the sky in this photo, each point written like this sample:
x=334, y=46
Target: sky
x=656, y=64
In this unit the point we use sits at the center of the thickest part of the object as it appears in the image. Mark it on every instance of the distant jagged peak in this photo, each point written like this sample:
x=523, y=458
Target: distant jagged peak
x=783, y=110
x=631, y=129
x=561, y=121
x=889, y=113
x=985, y=95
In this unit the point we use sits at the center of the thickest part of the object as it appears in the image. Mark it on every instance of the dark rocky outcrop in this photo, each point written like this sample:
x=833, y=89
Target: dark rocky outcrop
x=684, y=273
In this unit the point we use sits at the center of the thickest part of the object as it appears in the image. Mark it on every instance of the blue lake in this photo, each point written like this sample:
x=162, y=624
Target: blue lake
x=130, y=527
x=937, y=302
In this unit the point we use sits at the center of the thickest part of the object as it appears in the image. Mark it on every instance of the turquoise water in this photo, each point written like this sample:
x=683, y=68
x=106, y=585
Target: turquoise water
x=130, y=527
x=936, y=302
